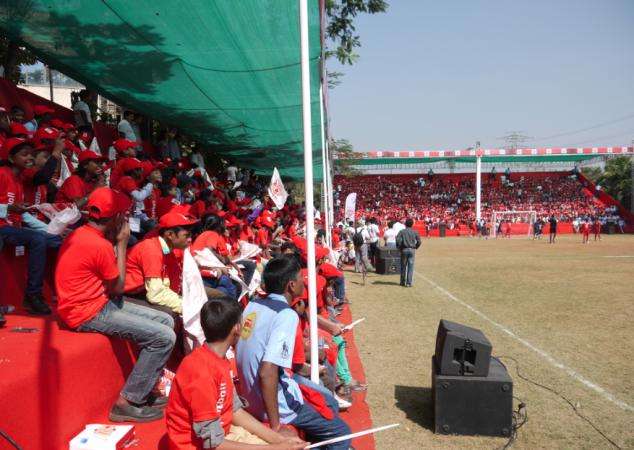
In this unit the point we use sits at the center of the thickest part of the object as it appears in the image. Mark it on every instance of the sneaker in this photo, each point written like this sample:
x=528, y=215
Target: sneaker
x=131, y=413
x=35, y=304
x=343, y=404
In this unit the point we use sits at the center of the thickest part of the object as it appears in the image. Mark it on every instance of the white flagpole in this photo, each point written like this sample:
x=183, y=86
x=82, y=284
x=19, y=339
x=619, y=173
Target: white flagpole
x=308, y=184
x=324, y=183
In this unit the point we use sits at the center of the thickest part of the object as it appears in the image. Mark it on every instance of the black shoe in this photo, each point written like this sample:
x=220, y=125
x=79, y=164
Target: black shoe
x=3, y=321
x=35, y=304
x=157, y=401
x=130, y=413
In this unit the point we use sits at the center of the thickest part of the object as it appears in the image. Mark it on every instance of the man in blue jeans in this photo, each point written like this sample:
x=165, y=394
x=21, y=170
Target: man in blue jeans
x=264, y=356
x=90, y=279
x=407, y=241
x=17, y=226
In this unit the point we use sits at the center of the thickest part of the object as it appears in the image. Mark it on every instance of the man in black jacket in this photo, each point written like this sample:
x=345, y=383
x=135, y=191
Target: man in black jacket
x=407, y=240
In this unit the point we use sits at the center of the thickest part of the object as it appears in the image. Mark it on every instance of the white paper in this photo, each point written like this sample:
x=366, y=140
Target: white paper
x=353, y=324
x=247, y=251
x=352, y=435
x=135, y=224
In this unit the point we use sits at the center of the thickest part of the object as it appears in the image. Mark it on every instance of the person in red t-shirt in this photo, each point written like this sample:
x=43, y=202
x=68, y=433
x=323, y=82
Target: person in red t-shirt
x=87, y=177
x=585, y=230
x=147, y=271
x=204, y=410
x=17, y=225
x=90, y=278
x=596, y=229
x=151, y=202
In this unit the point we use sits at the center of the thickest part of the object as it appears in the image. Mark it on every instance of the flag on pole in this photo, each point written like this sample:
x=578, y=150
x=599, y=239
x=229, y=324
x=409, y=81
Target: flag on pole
x=277, y=192
x=64, y=172
x=94, y=146
x=351, y=206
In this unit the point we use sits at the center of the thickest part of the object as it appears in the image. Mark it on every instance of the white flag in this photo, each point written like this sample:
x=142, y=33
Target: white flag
x=194, y=297
x=276, y=190
x=351, y=206
x=94, y=146
x=64, y=172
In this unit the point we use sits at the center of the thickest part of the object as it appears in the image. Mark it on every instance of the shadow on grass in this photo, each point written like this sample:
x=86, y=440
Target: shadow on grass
x=390, y=283
x=416, y=402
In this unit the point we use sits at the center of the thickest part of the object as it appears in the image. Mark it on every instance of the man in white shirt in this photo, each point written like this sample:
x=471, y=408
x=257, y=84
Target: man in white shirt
x=398, y=226
x=125, y=128
x=389, y=235
x=373, y=243
x=361, y=247
x=83, y=116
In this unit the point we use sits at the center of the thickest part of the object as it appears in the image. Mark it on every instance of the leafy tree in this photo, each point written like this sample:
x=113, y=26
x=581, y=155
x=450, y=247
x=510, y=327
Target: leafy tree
x=341, y=29
x=12, y=56
x=616, y=179
x=343, y=155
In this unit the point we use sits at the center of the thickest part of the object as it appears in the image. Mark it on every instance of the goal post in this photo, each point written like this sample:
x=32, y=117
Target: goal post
x=510, y=223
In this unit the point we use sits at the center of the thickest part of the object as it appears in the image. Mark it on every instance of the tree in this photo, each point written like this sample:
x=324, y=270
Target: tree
x=12, y=56
x=616, y=179
x=343, y=155
x=341, y=29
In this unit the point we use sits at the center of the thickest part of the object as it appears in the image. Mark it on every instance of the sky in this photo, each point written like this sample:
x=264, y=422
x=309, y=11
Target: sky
x=445, y=74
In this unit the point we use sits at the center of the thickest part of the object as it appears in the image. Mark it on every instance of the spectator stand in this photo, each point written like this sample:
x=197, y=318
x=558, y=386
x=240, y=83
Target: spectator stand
x=56, y=377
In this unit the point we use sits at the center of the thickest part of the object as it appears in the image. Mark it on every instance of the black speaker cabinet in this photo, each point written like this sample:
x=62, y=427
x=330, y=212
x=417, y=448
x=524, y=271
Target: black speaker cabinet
x=462, y=350
x=388, y=252
x=473, y=405
x=388, y=265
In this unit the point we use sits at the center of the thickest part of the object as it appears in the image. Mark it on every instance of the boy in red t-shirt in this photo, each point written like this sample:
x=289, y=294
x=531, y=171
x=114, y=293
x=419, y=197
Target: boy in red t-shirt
x=204, y=410
x=90, y=279
x=17, y=225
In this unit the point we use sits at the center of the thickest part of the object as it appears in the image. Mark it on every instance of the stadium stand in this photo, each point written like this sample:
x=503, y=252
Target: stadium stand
x=59, y=380
x=449, y=198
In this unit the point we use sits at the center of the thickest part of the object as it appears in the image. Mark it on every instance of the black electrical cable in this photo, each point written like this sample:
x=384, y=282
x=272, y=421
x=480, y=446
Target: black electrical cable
x=10, y=440
x=572, y=405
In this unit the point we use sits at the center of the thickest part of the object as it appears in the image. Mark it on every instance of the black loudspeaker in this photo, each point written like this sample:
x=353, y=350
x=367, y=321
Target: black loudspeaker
x=473, y=405
x=388, y=252
x=388, y=265
x=461, y=350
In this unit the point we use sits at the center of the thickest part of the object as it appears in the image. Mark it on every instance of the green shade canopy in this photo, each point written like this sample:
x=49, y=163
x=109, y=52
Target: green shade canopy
x=226, y=72
x=485, y=159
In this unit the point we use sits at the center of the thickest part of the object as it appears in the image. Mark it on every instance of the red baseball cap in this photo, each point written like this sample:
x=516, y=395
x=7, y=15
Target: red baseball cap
x=176, y=219
x=104, y=202
x=46, y=133
x=129, y=164
x=57, y=124
x=40, y=110
x=233, y=221
x=321, y=252
x=123, y=144
x=12, y=145
x=18, y=129
x=89, y=155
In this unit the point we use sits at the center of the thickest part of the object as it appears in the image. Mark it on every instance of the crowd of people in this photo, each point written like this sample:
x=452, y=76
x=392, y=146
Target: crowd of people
x=449, y=199
x=184, y=262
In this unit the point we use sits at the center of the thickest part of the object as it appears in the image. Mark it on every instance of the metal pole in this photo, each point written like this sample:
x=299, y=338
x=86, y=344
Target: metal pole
x=50, y=81
x=478, y=181
x=632, y=177
x=308, y=184
x=324, y=183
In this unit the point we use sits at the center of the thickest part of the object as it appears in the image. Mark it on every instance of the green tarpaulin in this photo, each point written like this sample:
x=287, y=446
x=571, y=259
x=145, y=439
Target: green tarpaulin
x=226, y=72
x=485, y=159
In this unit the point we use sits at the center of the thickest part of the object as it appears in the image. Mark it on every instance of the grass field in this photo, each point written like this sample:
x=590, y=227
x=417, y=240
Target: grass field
x=572, y=301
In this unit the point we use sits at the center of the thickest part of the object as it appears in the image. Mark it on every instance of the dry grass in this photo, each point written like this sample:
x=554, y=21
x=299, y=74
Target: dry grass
x=568, y=300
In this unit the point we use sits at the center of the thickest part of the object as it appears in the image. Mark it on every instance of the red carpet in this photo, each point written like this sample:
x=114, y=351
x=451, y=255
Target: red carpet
x=55, y=381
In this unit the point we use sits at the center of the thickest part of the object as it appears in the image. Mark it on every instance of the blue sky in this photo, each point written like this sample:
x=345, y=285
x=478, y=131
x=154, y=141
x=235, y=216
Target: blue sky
x=444, y=74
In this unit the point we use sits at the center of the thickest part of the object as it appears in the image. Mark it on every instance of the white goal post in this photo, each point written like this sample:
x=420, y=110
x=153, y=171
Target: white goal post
x=514, y=217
